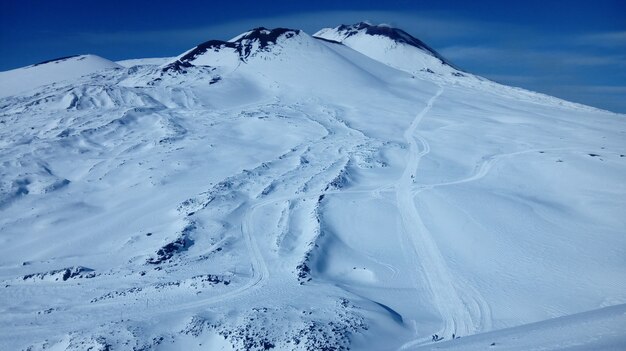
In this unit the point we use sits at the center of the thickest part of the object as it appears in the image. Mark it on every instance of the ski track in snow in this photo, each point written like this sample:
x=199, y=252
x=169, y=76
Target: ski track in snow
x=456, y=316
x=259, y=268
x=453, y=306
x=462, y=307
x=484, y=167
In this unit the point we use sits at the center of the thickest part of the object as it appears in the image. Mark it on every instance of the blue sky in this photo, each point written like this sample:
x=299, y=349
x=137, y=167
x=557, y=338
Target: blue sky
x=571, y=49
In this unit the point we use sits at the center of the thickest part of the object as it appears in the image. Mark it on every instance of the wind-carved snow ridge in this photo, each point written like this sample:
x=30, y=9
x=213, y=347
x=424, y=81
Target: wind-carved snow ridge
x=279, y=192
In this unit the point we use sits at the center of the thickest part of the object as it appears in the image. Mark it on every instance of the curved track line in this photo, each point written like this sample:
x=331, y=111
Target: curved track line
x=483, y=168
x=453, y=310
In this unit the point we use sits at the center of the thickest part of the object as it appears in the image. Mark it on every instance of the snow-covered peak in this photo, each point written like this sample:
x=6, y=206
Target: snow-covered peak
x=397, y=35
x=389, y=45
x=234, y=51
x=52, y=71
x=264, y=35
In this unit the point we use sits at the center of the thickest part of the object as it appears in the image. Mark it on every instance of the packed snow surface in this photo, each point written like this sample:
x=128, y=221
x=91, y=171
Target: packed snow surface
x=280, y=191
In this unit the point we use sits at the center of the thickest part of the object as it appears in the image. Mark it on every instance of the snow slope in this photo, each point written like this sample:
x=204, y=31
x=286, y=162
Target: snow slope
x=22, y=80
x=595, y=330
x=280, y=191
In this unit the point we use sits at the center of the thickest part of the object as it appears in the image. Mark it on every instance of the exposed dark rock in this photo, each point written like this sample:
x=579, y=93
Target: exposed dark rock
x=328, y=40
x=259, y=39
x=63, y=274
x=258, y=329
x=181, y=244
x=177, y=66
x=118, y=293
x=56, y=60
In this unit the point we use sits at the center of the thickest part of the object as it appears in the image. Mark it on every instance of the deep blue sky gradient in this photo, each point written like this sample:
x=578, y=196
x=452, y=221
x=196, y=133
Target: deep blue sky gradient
x=571, y=49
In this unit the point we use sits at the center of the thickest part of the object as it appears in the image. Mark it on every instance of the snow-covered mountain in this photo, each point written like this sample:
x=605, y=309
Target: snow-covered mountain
x=347, y=190
x=391, y=46
x=50, y=72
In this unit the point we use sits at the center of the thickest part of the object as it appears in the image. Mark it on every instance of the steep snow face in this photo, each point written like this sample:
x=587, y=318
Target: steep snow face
x=391, y=46
x=53, y=71
x=281, y=192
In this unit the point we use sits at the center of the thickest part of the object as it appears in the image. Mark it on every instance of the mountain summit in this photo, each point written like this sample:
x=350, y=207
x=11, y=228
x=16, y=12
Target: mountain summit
x=238, y=49
x=392, y=46
x=50, y=72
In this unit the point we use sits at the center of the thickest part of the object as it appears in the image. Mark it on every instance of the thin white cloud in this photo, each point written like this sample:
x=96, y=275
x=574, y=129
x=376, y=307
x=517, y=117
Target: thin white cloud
x=606, y=96
x=462, y=52
x=608, y=39
x=512, y=79
x=594, y=60
x=530, y=56
x=604, y=89
x=422, y=25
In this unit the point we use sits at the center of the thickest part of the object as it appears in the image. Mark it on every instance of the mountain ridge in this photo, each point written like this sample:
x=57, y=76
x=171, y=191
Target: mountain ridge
x=243, y=43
